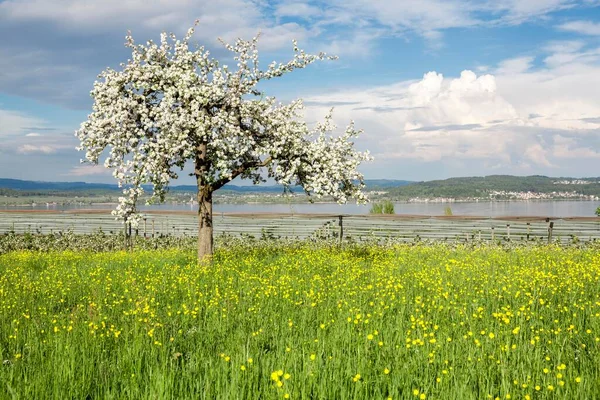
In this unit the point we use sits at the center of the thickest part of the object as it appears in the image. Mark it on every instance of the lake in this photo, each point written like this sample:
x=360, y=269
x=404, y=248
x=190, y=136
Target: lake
x=558, y=208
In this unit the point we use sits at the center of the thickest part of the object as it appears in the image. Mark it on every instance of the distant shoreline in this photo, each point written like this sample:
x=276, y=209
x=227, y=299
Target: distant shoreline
x=241, y=203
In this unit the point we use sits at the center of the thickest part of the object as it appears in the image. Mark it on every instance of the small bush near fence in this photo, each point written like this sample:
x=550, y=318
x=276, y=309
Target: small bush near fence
x=386, y=207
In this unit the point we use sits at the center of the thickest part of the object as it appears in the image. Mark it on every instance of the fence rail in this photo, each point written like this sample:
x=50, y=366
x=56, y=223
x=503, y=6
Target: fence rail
x=357, y=227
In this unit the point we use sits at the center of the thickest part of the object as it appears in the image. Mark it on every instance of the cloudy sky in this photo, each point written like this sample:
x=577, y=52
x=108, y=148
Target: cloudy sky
x=441, y=87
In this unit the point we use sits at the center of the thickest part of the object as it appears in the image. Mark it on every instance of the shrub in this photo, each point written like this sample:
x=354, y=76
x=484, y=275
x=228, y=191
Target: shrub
x=385, y=207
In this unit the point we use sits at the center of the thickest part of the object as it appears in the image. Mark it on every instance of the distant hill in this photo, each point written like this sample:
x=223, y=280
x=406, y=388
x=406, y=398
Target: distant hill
x=374, y=184
x=483, y=186
x=17, y=184
x=458, y=188
x=28, y=188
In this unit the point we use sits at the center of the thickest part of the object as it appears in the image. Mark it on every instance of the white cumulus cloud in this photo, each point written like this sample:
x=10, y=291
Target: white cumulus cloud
x=518, y=119
x=468, y=99
x=582, y=27
x=43, y=149
x=13, y=123
x=88, y=170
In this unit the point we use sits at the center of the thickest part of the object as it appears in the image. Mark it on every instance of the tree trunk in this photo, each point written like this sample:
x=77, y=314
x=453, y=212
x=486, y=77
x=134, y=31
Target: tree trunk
x=205, y=223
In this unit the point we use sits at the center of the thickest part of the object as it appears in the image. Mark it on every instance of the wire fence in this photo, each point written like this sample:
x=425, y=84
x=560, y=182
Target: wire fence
x=302, y=226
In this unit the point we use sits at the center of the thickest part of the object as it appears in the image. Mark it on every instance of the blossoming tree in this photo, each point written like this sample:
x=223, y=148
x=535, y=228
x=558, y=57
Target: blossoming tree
x=169, y=105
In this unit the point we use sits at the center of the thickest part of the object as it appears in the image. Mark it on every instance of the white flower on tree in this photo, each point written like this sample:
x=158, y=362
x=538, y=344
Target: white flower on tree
x=170, y=105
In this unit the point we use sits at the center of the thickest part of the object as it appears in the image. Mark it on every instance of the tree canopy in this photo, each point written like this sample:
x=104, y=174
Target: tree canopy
x=170, y=105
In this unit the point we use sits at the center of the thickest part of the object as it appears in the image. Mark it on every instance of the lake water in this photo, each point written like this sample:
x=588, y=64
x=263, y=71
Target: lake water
x=482, y=208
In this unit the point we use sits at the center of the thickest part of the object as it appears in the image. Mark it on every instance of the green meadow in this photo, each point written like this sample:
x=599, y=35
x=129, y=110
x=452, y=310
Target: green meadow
x=302, y=321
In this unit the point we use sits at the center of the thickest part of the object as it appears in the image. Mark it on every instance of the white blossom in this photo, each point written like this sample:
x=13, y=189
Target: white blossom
x=168, y=101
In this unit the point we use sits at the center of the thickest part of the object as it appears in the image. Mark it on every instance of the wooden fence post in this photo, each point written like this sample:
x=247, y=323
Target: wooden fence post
x=144, y=228
x=152, y=227
x=125, y=234
x=341, y=224
x=508, y=231
x=528, y=227
x=492, y=233
x=130, y=239
x=550, y=228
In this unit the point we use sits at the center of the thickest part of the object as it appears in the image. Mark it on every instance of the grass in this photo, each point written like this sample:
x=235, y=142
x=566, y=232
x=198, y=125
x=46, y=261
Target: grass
x=404, y=322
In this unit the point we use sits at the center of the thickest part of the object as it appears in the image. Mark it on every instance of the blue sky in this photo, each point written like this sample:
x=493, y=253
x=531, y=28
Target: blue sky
x=441, y=87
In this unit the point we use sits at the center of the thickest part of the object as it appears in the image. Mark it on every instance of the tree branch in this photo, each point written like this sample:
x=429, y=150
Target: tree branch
x=238, y=171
